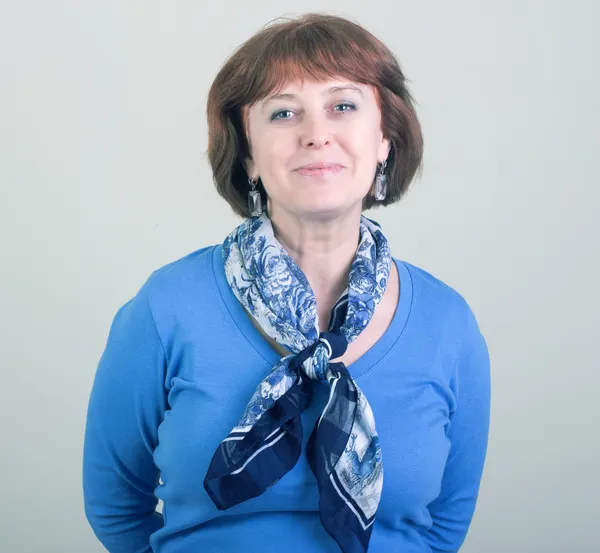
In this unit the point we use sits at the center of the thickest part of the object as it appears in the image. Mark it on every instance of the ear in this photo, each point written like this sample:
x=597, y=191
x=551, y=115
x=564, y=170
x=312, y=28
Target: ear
x=384, y=150
x=250, y=167
x=249, y=164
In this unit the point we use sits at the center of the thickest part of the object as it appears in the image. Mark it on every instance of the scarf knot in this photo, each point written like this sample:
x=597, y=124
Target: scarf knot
x=314, y=359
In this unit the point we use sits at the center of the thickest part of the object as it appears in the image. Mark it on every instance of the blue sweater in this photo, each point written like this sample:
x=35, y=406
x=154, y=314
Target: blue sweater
x=183, y=358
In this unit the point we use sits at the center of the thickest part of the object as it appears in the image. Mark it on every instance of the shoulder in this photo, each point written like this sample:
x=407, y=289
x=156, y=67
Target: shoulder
x=194, y=265
x=178, y=280
x=439, y=303
x=434, y=291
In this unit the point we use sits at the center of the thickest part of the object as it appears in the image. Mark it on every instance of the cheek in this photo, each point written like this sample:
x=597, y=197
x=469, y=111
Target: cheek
x=276, y=150
x=361, y=139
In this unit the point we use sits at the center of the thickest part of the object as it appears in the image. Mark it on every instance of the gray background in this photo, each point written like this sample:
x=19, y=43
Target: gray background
x=103, y=180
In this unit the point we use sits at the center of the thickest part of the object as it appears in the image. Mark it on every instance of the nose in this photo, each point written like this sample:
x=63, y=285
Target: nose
x=315, y=132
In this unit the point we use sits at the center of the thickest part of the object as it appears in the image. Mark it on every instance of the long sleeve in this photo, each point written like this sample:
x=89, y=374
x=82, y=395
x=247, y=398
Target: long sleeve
x=125, y=408
x=453, y=509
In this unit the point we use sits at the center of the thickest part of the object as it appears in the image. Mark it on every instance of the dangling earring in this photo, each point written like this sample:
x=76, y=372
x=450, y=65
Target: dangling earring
x=381, y=183
x=254, y=199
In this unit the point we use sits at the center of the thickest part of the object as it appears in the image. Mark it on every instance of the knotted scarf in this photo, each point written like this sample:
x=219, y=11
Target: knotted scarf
x=343, y=449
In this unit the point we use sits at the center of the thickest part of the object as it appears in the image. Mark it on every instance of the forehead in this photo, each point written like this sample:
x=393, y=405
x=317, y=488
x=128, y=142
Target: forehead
x=318, y=86
x=296, y=89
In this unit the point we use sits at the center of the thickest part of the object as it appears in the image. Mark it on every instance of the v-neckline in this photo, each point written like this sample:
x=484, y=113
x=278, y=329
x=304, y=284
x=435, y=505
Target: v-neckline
x=257, y=341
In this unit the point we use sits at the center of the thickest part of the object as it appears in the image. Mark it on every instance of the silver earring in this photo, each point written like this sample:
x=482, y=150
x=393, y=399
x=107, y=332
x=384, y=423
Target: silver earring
x=381, y=183
x=254, y=199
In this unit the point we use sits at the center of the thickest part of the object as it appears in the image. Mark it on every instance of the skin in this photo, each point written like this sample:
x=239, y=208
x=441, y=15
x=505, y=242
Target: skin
x=317, y=219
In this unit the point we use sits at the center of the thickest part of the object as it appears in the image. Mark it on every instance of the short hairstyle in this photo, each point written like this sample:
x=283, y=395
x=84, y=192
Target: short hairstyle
x=318, y=47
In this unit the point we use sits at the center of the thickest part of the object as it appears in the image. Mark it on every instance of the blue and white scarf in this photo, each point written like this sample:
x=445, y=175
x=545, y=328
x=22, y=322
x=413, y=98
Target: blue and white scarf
x=343, y=449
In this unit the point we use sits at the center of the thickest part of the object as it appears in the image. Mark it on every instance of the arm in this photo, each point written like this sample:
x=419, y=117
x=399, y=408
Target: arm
x=453, y=509
x=125, y=408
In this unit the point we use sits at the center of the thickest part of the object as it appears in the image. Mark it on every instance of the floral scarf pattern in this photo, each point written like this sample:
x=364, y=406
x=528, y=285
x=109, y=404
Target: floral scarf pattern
x=343, y=449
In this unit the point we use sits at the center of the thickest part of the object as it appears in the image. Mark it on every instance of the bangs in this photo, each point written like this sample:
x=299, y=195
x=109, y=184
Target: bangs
x=314, y=53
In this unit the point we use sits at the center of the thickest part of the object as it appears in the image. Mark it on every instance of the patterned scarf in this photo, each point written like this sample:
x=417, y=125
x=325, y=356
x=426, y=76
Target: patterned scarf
x=343, y=450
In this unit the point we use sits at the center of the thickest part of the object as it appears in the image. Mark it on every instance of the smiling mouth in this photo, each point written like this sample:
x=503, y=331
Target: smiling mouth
x=320, y=171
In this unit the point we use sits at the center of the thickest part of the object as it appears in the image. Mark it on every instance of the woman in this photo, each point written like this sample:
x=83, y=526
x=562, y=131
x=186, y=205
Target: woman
x=263, y=387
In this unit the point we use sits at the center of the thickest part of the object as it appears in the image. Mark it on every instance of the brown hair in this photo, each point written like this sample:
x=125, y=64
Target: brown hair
x=320, y=47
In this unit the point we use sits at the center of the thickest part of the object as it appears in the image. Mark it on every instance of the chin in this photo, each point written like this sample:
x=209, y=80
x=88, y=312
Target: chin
x=323, y=208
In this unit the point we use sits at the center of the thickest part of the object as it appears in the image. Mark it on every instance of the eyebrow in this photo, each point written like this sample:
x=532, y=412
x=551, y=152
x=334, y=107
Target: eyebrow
x=330, y=90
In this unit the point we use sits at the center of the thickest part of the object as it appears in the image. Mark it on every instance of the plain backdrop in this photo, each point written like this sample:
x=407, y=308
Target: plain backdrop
x=104, y=179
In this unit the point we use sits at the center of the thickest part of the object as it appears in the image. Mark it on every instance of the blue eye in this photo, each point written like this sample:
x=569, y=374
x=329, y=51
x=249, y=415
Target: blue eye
x=351, y=106
x=275, y=116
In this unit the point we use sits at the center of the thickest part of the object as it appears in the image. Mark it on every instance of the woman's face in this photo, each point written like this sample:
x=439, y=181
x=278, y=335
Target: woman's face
x=336, y=123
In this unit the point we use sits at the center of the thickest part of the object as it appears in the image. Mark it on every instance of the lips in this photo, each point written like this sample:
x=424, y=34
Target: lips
x=320, y=166
x=320, y=170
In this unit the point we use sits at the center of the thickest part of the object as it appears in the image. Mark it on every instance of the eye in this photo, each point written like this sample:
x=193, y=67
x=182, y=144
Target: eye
x=275, y=117
x=348, y=105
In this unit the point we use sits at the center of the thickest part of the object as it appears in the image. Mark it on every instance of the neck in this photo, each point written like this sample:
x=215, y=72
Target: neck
x=323, y=248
